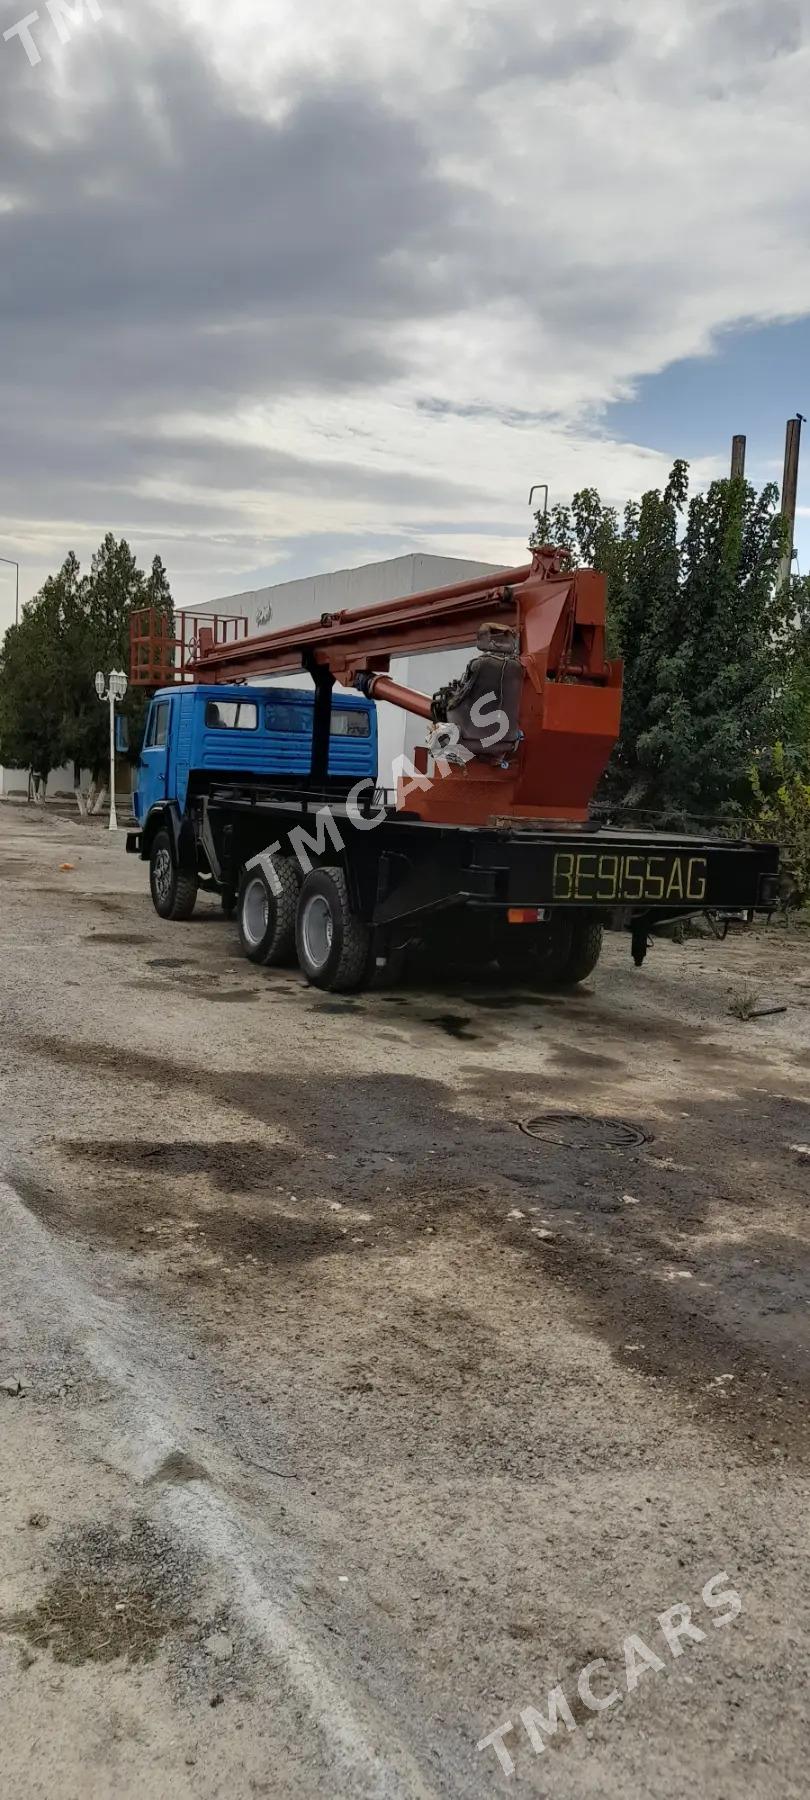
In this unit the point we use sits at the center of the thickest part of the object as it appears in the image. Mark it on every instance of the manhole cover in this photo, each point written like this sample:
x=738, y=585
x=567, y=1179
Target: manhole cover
x=579, y=1131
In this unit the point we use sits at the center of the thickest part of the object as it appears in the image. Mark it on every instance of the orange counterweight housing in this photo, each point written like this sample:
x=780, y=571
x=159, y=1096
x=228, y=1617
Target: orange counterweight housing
x=570, y=712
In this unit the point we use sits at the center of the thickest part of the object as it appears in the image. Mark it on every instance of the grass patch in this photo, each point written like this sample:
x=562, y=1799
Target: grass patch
x=115, y=1596
x=743, y=1004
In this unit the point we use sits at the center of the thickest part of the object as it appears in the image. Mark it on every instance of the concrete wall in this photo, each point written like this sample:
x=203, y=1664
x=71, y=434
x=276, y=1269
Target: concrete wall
x=14, y=782
x=292, y=602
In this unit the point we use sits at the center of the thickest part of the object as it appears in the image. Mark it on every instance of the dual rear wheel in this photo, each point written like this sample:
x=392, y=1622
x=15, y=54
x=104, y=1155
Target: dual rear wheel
x=265, y=911
x=311, y=921
x=284, y=918
x=281, y=918
x=560, y=953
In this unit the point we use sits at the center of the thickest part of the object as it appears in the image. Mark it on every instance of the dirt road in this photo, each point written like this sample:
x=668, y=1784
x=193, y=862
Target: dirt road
x=362, y=1403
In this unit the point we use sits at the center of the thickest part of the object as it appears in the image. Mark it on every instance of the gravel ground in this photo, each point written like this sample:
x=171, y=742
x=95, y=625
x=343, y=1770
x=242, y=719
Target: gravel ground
x=363, y=1402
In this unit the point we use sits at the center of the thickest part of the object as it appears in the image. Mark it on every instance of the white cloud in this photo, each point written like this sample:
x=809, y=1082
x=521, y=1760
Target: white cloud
x=538, y=209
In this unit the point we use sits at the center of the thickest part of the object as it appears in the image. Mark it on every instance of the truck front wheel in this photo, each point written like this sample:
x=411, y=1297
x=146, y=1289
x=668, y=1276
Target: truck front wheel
x=333, y=944
x=266, y=912
x=173, y=884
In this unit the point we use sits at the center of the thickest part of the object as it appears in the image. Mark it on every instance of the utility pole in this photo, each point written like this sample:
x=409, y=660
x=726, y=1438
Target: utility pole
x=737, y=458
x=790, y=485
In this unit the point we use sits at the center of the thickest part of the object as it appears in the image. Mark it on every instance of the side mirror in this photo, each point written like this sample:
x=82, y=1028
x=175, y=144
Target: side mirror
x=121, y=734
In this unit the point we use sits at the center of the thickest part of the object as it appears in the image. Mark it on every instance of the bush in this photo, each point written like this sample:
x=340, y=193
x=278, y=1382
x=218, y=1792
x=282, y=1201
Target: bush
x=782, y=812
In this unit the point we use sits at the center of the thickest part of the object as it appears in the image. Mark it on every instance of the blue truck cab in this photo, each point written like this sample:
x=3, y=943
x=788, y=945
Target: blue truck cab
x=257, y=732
x=252, y=745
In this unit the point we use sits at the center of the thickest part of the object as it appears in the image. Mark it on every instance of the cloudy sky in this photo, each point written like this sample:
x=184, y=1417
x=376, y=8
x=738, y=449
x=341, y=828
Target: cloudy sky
x=288, y=285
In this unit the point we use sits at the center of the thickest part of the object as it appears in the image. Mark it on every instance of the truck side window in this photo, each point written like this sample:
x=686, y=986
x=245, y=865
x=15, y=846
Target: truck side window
x=346, y=721
x=350, y=722
x=231, y=715
x=158, y=726
x=283, y=716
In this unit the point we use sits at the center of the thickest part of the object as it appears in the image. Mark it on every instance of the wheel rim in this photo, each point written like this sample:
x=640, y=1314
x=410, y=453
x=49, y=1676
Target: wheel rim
x=163, y=875
x=317, y=930
x=255, y=912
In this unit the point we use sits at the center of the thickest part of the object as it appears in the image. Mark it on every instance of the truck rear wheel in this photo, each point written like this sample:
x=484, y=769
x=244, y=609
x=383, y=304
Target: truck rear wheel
x=266, y=918
x=173, y=884
x=536, y=953
x=586, y=949
x=333, y=944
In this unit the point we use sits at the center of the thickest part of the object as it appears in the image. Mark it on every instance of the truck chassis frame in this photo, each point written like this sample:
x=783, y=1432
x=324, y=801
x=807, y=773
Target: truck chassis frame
x=409, y=880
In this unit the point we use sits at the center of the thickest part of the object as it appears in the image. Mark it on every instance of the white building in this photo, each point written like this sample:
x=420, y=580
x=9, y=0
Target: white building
x=292, y=602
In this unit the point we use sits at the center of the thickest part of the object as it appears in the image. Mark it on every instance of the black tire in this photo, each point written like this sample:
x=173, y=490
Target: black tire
x=334, y=946
x=266, y=917
x=173, y=885
x=586, y=949
x=536, y=953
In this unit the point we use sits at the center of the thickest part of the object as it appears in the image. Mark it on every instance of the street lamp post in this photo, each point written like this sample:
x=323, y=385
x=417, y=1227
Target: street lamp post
x=115, y=689
x=14, y=565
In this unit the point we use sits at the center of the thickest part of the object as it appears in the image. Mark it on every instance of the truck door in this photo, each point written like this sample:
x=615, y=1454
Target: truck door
x=154, y=764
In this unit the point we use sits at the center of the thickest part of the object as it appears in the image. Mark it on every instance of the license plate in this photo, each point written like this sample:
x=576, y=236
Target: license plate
x=616, y=877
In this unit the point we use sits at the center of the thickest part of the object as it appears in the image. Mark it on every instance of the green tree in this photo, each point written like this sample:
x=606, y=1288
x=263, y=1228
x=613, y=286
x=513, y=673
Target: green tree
x=647, y=624
x=795, y=697
x=76, y=624
x=781, y=811
x=33, y=677
x=696, y=612
x=97, y=637
x=715, y=709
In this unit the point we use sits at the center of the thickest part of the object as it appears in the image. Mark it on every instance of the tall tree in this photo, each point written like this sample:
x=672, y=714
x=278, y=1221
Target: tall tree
x=49, y=709
x=794, y=729
x=696, y=612
x=98, y=638
x=717, y=691
x=33, y=676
